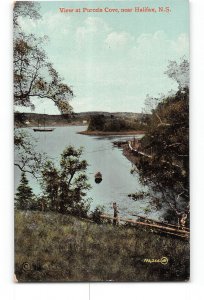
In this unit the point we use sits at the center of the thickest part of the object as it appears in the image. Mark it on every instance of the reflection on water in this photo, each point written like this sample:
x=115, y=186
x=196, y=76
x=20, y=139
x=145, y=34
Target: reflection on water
x=102, y=157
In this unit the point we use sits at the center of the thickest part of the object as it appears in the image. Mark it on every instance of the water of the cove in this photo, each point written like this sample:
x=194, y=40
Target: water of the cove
x=101, y=156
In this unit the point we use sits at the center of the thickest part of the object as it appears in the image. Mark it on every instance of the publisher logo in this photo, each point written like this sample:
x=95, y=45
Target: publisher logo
x=164, y=260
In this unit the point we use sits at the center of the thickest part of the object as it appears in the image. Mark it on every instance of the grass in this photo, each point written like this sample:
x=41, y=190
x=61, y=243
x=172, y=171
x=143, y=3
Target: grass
x=54, y=247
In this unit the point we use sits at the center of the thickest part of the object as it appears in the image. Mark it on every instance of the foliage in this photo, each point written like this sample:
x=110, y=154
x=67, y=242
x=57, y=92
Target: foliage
x=24, y=198
x=65, y=187
x=66, y=248
x=95, y=215
x=19, y=119
x=179, y=71
x=96, y=122
x=167, y=143
x=138, y=195
x=26, y=9
x=105, y=123
x=34, y=75
x=27, y=157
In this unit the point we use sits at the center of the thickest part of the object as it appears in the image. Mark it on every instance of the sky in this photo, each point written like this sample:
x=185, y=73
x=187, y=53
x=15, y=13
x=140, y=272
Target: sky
x=112, y=60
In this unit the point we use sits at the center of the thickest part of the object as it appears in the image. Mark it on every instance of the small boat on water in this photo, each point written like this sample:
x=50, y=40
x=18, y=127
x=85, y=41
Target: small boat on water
x=43, y=129
x=98, y=177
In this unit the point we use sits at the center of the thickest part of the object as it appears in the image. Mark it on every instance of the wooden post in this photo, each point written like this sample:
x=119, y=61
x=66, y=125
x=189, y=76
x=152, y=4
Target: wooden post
x=115, y=214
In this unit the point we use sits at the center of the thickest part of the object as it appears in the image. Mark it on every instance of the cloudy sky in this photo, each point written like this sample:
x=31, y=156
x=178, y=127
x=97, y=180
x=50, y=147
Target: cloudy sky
x=112, y=60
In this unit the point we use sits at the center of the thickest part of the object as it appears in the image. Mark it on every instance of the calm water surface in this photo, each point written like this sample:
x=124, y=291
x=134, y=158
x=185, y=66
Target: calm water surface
x=101, y=156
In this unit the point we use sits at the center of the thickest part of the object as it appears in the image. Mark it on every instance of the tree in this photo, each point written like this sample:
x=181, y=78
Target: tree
x=112, y=123
x=34, y=75
x=65, y=187
x=51, y=186
x=179, y=71
x=27, y=157
x=96, y=214
x=25, y=9
x=24, y=197
x=96, y=122
x=167, y=143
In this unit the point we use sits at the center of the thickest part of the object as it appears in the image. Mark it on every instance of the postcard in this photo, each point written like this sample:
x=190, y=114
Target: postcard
x=101, y=115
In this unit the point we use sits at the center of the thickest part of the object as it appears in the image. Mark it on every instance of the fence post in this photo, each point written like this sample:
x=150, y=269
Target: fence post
x=115, y=214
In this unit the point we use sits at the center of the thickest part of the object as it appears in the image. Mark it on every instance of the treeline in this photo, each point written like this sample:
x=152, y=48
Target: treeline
x=34, y=119
x=112, y=123
x=125, y=119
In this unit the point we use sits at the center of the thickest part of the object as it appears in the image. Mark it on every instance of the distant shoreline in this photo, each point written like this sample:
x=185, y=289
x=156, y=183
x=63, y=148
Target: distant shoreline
x=51, y=125
x=101, y=133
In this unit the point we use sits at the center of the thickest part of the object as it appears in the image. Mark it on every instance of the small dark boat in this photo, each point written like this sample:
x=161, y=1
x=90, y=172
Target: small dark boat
x=98, y=177
x=43, y=129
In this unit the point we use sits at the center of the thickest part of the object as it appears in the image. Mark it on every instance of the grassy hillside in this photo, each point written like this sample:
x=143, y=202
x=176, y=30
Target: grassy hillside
x=55, y=247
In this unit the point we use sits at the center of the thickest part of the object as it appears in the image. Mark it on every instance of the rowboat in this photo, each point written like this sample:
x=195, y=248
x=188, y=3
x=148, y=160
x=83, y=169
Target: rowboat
x=98, y=177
